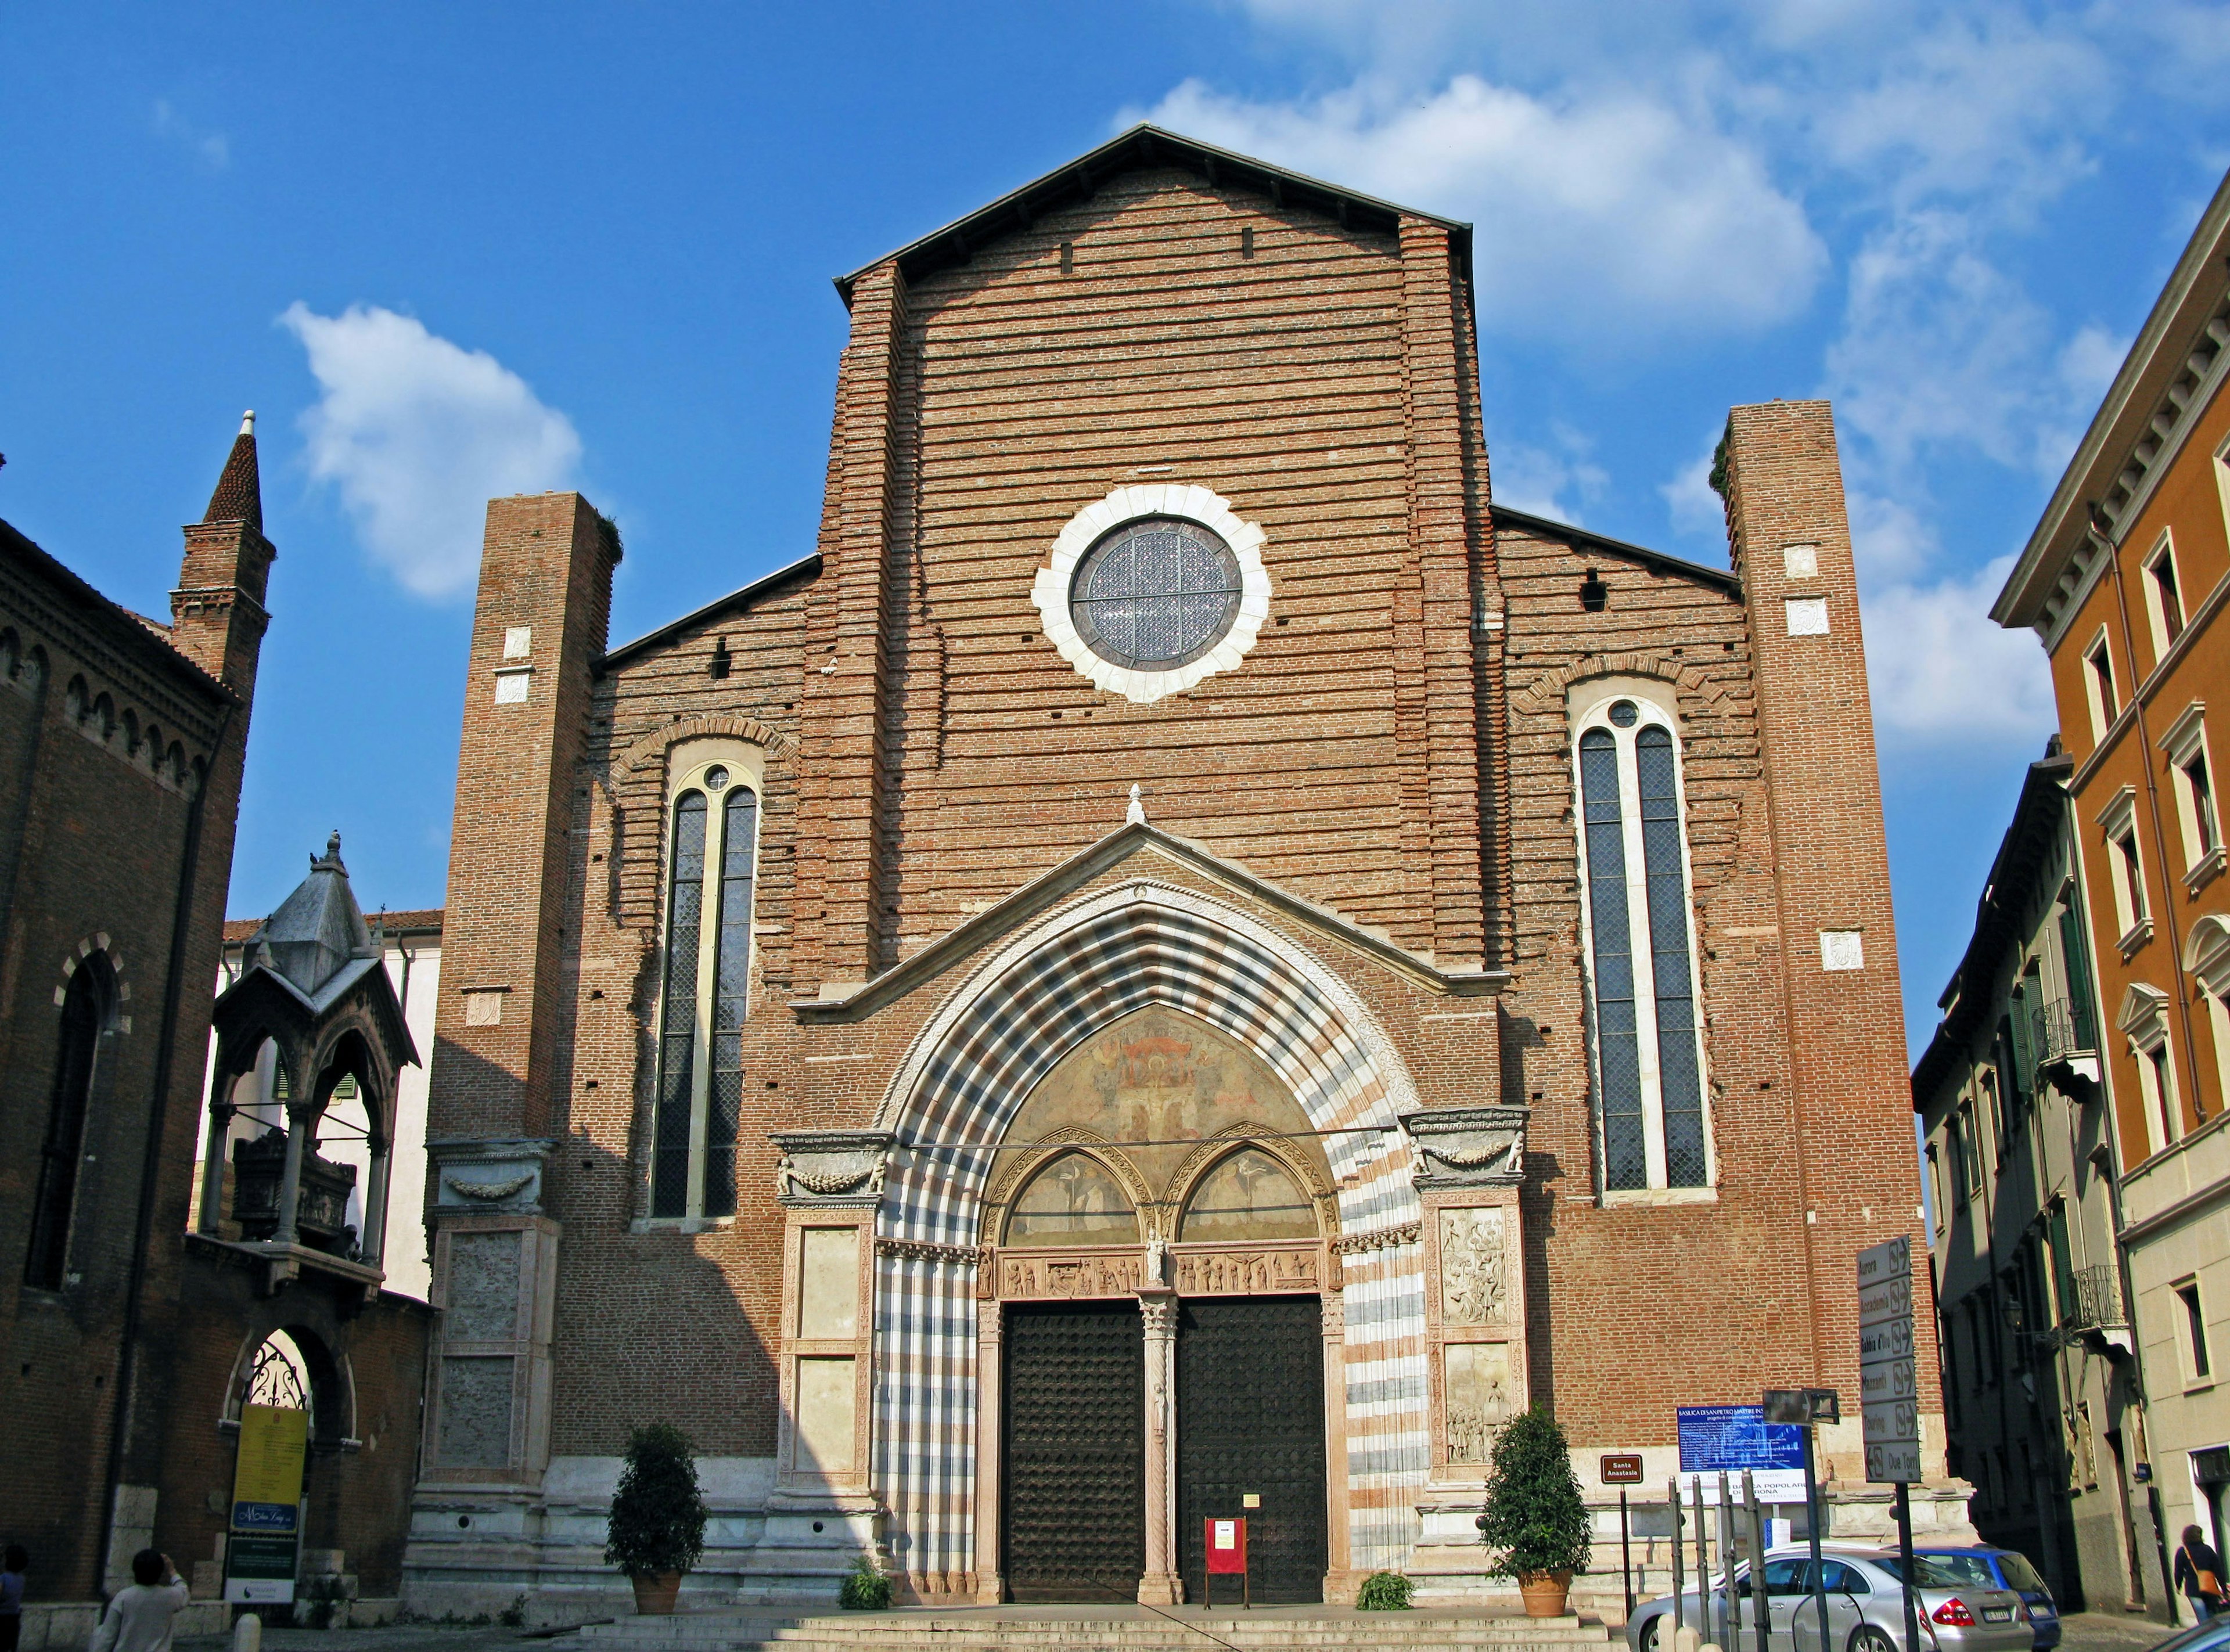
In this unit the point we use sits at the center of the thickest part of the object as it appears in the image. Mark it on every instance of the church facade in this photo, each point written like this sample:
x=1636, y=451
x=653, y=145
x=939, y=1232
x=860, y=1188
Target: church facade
x=1184, y=963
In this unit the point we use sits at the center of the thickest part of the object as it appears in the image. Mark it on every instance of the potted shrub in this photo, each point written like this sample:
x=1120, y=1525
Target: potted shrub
x=657, y=1527
x=1535, y=1521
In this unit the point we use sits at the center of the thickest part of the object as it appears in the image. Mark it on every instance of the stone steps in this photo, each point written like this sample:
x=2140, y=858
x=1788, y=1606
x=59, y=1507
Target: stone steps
x=990, y=1630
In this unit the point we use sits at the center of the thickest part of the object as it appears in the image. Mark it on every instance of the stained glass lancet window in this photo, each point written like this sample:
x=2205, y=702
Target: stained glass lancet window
x=1647, y=1030
x=706, y=994
x=732, y=970
x=677, y=1043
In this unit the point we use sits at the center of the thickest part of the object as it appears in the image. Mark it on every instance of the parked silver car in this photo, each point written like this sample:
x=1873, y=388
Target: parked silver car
x=1865, y=1608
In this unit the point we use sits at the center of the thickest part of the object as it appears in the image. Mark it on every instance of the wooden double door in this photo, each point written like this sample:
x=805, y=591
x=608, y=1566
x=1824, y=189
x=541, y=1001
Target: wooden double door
x=1249, y=1425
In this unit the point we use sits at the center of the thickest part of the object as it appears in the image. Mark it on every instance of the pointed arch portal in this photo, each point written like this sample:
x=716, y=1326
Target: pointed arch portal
x=951, y=1107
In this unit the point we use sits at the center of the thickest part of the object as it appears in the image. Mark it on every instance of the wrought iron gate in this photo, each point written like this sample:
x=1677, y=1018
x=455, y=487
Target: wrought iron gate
x=1251, y=1419
x=1074, y=1506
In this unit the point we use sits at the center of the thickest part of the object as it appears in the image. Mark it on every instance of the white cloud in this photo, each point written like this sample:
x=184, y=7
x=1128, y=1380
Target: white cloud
x=1607, y=217
x=1537, y=479
x=212, y=150
x=1944, y=675
x=1694, y=504
x=1942, y=349
x=418, y=434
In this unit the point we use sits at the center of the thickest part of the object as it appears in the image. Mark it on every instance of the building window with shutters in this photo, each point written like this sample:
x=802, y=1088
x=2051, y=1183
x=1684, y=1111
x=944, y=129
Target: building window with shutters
x=1646, y=1023
x=705, y=980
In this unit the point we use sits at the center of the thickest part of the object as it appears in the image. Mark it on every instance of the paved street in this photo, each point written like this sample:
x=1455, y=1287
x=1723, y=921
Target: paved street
x=2114, y=1632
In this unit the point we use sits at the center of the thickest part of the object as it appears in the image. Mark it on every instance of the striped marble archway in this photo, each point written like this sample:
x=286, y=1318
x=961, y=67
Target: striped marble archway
x=969, y=1070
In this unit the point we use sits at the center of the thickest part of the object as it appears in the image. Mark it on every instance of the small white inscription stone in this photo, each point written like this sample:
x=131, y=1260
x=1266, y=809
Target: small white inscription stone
x=1801, y=561
x=510, y=687
x=518, y=641
x=1808, y=616
x=1842, y=949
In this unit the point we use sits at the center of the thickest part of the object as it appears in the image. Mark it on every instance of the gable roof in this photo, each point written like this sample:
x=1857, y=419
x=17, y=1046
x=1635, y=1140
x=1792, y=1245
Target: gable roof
x=1138, y=837
x=741, y=597
x=1725, y=578
x=1144, y=146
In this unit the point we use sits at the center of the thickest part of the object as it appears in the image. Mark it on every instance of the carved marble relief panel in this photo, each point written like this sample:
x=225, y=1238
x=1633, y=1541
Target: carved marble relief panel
x=1246, y=1273
x=1481, y=1398
x=1068, y=1277
x=1474, y=1267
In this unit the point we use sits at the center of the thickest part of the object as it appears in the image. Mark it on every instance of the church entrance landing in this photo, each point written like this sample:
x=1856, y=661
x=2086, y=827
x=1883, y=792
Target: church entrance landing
x=1075, y=1452
x=1251, y=1425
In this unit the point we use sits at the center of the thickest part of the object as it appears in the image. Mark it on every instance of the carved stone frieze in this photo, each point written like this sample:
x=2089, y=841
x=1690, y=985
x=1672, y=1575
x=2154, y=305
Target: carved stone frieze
x=826, y=1169
x=1246, y=1273
x=1474, y=1266
x=1468, y=1146
x=501, y=1175
x=1052, y=1274
x=1356, y=1244
x=955, y=1256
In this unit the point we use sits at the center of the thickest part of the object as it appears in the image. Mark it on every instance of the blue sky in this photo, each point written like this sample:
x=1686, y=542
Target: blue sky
x=447, y=252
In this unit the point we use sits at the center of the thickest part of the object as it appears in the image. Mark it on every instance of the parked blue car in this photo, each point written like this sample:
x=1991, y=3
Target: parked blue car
x=1986, y=1567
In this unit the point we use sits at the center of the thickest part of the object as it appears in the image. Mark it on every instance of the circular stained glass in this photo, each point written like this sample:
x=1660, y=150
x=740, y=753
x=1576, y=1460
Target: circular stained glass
x=715, y=778
x=1625, y=714
x=1155, y=594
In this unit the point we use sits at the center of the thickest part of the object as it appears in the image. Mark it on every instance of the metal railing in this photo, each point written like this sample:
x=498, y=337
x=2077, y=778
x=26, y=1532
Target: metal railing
x=2098, y=1301
x=2061, y=1028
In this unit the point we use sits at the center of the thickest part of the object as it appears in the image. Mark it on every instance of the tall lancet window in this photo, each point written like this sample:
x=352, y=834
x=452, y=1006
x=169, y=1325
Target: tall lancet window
x=706, y=991
x=1648, y=1033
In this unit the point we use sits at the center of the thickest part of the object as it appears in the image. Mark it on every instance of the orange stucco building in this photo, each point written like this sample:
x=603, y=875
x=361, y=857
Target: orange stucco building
x=2126, y=580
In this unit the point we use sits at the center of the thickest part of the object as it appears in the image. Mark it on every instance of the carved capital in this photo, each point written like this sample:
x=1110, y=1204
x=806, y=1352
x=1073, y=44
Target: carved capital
x=1160, y=1314
x=1468, y=1146
x=502, y=1175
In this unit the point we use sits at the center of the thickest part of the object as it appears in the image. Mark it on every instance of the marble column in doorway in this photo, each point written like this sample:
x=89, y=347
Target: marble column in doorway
x=1160, y=1585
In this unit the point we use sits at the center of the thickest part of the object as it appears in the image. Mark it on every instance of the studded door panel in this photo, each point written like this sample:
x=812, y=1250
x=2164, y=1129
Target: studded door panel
x=1251, y=1418
x=1074, y=1505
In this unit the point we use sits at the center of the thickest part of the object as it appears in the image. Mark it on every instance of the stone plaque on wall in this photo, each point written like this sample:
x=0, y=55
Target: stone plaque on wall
x=1474, y=1267
x=483, y=1287
x=476, y=1410
x=825, y=1414
x=828, y=1283
x=1479, y=1395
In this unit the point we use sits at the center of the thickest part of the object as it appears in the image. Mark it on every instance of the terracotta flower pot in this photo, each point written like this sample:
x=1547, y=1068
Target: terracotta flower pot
x=1545, y=1592
x=655, y=1597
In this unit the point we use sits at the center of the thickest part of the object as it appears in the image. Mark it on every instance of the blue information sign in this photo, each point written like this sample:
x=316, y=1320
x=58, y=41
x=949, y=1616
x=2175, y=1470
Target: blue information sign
x=1734, y=1437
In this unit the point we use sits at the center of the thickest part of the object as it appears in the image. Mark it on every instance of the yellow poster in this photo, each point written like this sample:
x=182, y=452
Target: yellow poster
x=272, y=1442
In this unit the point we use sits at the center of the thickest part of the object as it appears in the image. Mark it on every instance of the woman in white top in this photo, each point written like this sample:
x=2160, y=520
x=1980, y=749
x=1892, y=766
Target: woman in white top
x=138, y=1617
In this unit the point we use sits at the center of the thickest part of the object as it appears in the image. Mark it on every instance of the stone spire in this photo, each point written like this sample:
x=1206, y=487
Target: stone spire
x=239, y=496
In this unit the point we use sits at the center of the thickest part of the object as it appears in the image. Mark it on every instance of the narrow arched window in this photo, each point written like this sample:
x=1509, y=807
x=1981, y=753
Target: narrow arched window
x=677, y=1043
x=707, y=995
x=1648, y=1033
x=732, y=993
x=85, y=1012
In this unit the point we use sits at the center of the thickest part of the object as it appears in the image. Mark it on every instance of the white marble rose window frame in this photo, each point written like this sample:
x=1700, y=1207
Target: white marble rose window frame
x=1052, y=590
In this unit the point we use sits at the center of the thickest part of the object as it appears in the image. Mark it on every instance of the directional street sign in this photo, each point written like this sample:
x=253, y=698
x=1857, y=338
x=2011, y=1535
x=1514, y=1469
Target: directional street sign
x=1889, y=1393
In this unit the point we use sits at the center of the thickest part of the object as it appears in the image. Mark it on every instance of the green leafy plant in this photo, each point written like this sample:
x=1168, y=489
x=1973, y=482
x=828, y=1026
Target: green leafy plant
x=866, y=1590
x=1535, y=1521
x=657, y=1522
x=1384, y=1592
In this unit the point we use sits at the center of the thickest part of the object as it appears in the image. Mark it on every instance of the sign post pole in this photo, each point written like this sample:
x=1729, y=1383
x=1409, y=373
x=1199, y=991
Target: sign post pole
x=1622, y=1469
x=1889, y=1392
x=1625, y=1553
x=1758, y=1611
x=1679, y=1604
x=1811, y=1526
x=1810, y=1407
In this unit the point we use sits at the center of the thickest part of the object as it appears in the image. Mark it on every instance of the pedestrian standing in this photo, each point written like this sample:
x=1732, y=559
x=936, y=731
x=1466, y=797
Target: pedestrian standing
x=14, y=1563
x=138, y=1617
x=2199, y=1574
